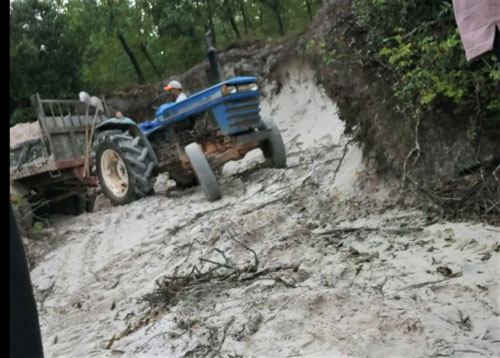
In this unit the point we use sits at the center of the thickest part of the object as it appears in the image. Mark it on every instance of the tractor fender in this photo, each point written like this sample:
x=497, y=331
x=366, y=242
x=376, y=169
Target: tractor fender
x=125, y=124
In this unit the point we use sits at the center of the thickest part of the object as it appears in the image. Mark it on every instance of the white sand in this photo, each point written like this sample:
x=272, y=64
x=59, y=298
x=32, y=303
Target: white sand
x=368, y=285
x=23, y=132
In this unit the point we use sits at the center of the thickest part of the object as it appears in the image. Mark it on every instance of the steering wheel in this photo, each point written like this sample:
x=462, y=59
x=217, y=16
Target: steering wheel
x=154, y=105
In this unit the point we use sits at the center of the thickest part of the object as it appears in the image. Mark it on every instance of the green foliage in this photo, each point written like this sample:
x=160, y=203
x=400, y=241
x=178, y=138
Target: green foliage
x=58, y=48
x=38, y=226
x=22, y=115
x=420, y=44
x=327, y=56
x=42, y=58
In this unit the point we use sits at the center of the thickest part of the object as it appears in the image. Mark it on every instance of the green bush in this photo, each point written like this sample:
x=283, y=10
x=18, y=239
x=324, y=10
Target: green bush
x=419, y=43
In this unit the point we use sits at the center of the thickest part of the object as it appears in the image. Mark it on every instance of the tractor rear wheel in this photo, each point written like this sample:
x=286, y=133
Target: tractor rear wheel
x=124, y=167
x=203, y=172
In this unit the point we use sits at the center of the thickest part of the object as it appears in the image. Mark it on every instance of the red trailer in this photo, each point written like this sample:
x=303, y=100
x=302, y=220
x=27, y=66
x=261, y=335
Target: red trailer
x=51, y=169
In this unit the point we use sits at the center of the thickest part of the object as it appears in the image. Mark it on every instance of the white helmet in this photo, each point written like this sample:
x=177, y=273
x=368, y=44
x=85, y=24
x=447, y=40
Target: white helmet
x=173, y=84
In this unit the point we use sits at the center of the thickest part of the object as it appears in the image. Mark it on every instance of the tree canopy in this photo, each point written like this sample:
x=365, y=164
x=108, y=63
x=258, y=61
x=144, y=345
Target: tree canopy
x=58, y=48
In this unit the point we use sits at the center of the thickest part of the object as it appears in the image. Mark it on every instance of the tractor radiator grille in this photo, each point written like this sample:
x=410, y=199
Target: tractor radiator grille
x=244, y=114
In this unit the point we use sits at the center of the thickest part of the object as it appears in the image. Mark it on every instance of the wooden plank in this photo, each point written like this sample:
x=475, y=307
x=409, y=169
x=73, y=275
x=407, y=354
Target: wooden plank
x=51, y=109
x=73, y=144
x=60, y=110
x=58, y=122
x=67, y=130
x=62, y=101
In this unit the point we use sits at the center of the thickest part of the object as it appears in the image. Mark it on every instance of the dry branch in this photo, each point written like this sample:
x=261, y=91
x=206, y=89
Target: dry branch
x=415, y=149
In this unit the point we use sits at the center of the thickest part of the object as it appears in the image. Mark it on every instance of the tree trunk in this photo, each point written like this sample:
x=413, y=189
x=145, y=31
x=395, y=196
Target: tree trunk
x=211, y=21
x=200, y=16
x=228, y=14
x=261, y=17
x=146, y=53
x=224, y=30
x=309, y=10
x=234, y=26
x=243, y=14
x=277, y=13
x=131, y=56
x=124, y=44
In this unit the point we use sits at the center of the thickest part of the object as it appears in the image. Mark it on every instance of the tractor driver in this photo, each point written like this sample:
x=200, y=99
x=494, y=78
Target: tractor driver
x=175, y=88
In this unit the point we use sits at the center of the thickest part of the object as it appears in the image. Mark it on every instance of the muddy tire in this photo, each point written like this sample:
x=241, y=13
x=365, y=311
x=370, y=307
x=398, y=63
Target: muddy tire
x=90, y=203
x=24, y=215
x=21, y=207
x=273, y=147
x=183, y=178
x=82, y=204
x=124, y=167
x=73, y=205
x=203, y=172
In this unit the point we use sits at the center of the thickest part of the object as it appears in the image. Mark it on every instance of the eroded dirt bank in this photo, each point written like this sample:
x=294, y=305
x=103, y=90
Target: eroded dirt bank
x=312, y=260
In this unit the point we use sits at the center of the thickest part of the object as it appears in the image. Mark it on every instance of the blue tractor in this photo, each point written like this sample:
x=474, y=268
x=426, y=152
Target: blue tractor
x=187, y=139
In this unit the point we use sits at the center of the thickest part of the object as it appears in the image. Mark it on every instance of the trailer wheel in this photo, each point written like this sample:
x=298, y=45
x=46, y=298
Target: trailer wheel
x=124, y=167
x=24, y=215
x=22, y=209
x=90, y=203
x=82, y=204
x=273, y=147
x=203, y=172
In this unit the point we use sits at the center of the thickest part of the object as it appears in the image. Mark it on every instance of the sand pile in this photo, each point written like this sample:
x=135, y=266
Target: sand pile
x=23, y=132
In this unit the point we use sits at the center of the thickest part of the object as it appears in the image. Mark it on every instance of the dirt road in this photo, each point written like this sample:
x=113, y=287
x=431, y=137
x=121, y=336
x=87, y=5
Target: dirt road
x=304, y=261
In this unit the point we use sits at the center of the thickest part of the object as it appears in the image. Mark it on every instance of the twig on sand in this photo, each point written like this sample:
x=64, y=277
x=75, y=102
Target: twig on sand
x=394, y=231
x=283, y=306
x=419, y=285
x=216, y=263
x=190, y=248
x=156, y=335
x=260, y=206
x=304, y=354
x=341, y=160
x=256, y=263
x=226, y=329
x=268, y=270
x=415, y=149
x=198, y=215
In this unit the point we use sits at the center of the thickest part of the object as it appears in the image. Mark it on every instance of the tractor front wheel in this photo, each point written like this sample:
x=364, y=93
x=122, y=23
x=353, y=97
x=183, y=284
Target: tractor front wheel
x=203, y=172
x=273, y=147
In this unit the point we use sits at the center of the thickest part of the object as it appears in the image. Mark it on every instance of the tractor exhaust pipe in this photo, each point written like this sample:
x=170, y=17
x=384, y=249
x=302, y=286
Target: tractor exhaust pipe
x=213, y=59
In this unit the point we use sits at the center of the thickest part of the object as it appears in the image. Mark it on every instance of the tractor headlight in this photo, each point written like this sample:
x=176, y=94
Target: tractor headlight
x=228, y=90
x=231, y=90
x=247, y=87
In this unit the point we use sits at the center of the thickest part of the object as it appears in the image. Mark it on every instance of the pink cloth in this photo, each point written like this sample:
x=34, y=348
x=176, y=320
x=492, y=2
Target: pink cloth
x=477, y=21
